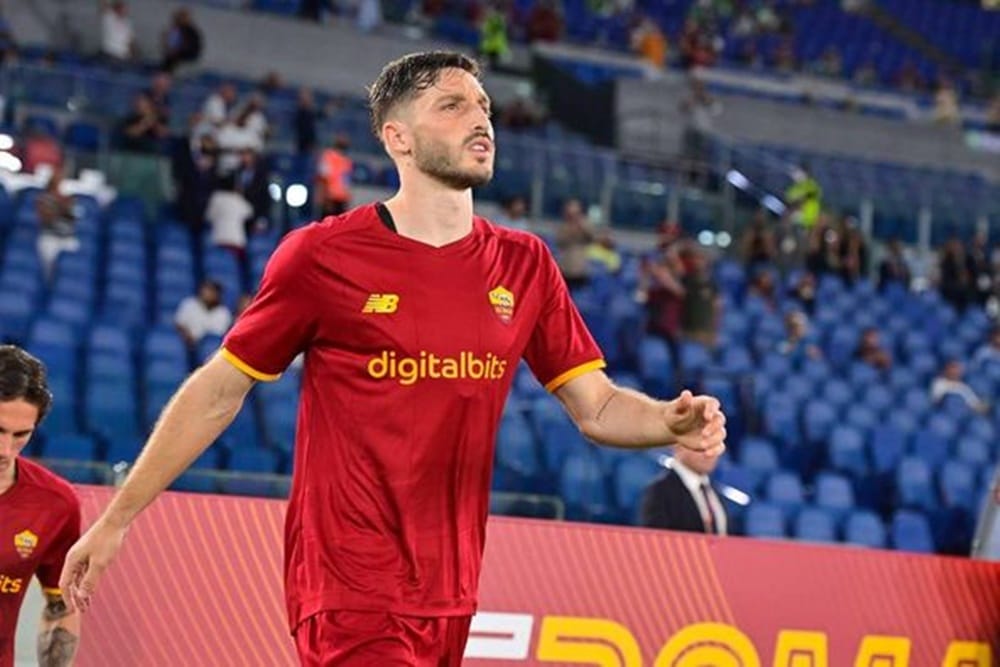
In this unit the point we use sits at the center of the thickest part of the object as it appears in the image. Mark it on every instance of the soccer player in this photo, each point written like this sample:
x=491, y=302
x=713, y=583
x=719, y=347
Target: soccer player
x=39, y=516
x=413, y=315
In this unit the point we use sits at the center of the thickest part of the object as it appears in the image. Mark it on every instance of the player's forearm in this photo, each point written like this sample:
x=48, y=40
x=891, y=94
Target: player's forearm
x=58, y=639
x=628, y=418
x=197, y=414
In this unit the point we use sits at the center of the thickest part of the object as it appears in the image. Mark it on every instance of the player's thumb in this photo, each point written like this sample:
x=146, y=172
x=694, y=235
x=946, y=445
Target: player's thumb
x=684, y=402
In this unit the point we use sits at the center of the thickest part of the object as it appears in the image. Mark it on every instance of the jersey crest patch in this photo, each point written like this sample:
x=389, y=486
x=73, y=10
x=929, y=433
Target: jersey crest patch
x=502, y=300
x=25, y=543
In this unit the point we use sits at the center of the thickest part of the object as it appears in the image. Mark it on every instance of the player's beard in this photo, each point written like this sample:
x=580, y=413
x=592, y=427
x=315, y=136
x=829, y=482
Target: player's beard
x=437, y=160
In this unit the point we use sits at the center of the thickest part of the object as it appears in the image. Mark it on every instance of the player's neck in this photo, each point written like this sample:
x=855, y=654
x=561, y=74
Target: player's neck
x=432, y=214
x=8, y=477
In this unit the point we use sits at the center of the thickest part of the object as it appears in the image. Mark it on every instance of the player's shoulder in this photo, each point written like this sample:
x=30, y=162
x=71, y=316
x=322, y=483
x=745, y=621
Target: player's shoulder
x=43, y=483
x=319, y=236
x=518, y=238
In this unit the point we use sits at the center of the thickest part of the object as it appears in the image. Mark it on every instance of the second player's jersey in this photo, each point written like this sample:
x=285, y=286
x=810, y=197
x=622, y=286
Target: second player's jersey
x=39, y=522
x=410, y=353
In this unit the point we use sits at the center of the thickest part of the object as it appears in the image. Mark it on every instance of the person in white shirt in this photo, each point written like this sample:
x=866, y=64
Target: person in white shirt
x=988, y=353
x=684, y=498
x=950, y=382
x=117, y=34
x=203, y=314
x=218, y=107
x=227, y=214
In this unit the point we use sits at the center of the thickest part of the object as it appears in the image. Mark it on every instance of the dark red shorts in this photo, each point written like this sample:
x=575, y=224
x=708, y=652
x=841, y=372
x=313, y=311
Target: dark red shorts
x=381, y=639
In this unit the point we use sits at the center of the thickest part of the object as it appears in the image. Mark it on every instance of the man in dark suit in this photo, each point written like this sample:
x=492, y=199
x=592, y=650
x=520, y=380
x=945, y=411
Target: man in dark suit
x=683, y=498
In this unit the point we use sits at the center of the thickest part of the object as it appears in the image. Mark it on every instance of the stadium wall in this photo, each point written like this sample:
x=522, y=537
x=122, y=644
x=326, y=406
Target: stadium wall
x=199, y=584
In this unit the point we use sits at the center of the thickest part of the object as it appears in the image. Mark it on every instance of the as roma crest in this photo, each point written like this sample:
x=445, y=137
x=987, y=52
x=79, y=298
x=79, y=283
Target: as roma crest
x=502, y=300
x=25, y=543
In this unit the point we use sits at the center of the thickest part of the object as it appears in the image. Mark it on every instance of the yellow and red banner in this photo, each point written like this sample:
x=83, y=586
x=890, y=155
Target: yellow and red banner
x=199, y=583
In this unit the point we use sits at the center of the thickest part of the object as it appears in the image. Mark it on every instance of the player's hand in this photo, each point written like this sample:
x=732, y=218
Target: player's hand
x=697, y=423
x=87, y=561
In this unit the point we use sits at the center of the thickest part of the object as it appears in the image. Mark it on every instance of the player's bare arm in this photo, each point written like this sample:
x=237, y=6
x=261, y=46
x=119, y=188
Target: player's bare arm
x=200, y=410
x=58, y=632
x=621, y=417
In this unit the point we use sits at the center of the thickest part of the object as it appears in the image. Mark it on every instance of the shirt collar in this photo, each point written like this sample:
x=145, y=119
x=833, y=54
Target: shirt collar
x=691, y=479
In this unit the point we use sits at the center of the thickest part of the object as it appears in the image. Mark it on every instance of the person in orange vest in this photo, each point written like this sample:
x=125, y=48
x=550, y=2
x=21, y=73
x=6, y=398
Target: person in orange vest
x=333, y=178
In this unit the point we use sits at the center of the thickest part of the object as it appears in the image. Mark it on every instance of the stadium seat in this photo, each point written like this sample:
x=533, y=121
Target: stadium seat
x=784, y=489
x=517, y=460
x=974, y=451
x=834, y=493
x=930, y=447
x=123, y=450
x=656, y=366
x=913, y=484
x=878, y=398
x=582, y=487
x=864, y=528
x=957, y=482
x=79, y=447
x=280, y=419
x=759, y=458
x=633, y=474
x=942, y=425
x=861, y=417
x=847, y=451
x=815, y=524
x=887, y=444
x=837, y=393
x=911, y=532
x=764, y=520
x=818, y=420
x=16, y=311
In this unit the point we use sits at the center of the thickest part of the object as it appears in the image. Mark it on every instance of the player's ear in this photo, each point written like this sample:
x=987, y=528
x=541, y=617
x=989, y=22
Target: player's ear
x=397, y=138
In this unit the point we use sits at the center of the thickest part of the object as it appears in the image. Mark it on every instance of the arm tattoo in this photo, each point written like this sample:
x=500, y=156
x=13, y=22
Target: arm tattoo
x=56, y=647
x=55, y=609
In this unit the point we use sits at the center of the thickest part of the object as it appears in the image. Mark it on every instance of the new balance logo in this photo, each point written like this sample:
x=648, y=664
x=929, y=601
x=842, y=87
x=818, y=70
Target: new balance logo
x=381, y=303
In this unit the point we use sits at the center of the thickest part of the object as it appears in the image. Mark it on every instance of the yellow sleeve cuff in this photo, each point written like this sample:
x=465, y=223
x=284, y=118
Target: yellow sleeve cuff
x=573, y=373
x=247, y=368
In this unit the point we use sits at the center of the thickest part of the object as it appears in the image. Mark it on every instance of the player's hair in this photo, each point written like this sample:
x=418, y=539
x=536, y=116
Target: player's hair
x=22, y=376
x=404, y=78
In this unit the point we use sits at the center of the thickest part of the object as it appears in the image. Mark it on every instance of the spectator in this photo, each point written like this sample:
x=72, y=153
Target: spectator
x=871, y=352
x=519, y=114
x=227, y=214
x=194, y=166
x=830, y=64
x=544, y=22
x=333, y=178
x=989, y=352
x=949, y=382
x=759, y=249
x=946, y=110
x=954, y=280
x=117, y=33
x=804, y=291
x=697, y=48
x=573, y=237
x=493, y=44
x=797, y=344
x=702, y=304
x=203, y=314
x=650, y=43
x=219, y=106
x=784, y=57
x=515, y=214
x=993, y=114
x=603, y=252
x=142, y=131
x=56, y=223
x=804, y=197
x=159, y=94
x=252, y=119
x=823, y=254
x=38, y=148
x=894, y=268
x=908, y=79
x=701, y=109
x=853, y=251
x=181, y=41
x=664, y=294
x=251, y=181
x=980, y=268
x=684, y=499
x=762, y=289
x=306, y=117
x=866, y=74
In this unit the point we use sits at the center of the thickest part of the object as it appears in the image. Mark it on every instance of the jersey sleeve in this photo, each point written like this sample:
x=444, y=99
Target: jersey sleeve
x=560, y=348
x=52, y=562
x=281, y=320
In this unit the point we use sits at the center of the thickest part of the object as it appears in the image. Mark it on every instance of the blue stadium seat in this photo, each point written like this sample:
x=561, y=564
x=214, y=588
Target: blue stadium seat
x=110, y=412
x=52, y=331
x=518, y=465
x=834, y=492
x=815, y=524
x=913, y=484
x=560, y=438
x=818, y=420
x=974, y=451
x=887, y=444
x=980, y=428
x=16, y=311
x=878, y=398
x=943, y=425
x=759, y=459
x=911, y=532
x=864, y=528
x=764, y=520
x=957, y=482
x=847, y=451
x=917, y=401
x=165, y=344
x=279, y=422
x=784, y=489
x=930, y=447
x=123, y=450
x=583, y=488
x=82, y=136
x=71, y=311
x=196, y=481
x=694, y=359
x=79, y=447
x=838, y=393
x=861, y=417
x=632, y=475
x=655, y=366
x=253, y=460
x=108, y=339
x=901, y=378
